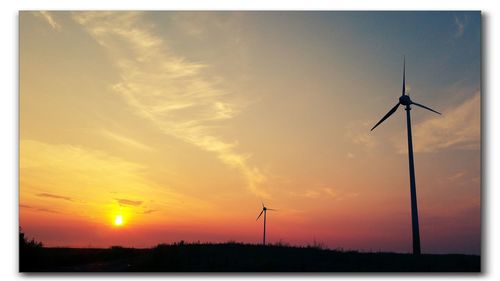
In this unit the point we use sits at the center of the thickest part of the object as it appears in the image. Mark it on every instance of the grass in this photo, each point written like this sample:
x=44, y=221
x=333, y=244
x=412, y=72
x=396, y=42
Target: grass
x=237, y=257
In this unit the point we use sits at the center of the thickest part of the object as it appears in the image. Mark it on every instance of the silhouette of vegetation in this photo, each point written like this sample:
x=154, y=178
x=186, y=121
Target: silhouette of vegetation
x=232, y=257
x=29, y=251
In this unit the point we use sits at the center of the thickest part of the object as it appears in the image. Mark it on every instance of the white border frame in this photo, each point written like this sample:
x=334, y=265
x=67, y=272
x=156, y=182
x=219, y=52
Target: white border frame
x=9, y=115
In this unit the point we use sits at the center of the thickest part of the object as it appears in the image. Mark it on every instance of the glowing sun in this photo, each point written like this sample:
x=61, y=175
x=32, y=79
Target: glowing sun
x=118, y=220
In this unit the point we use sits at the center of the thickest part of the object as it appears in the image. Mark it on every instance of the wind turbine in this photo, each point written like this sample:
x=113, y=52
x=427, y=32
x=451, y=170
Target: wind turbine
x=264, y=210
x=405, y=100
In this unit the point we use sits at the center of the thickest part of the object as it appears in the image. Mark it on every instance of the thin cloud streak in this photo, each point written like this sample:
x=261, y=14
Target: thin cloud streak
x=359, y=133
x=47, y=16
x=323, y=192
x=460, y=24
x=39, y=209
x=128, y=202
x=91, y=179
x=176, y=95
x=125, y=140
x=458, y=128
x=53, y=196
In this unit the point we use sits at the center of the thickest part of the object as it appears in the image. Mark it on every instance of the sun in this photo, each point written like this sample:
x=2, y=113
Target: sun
x=118, y=220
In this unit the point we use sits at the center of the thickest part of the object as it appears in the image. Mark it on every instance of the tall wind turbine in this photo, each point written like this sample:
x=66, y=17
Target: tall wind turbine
x=264, y=210
x=405, y=100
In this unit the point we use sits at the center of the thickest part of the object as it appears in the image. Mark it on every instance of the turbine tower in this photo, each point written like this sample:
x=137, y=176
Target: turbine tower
x=264, y=210
x=405, y=100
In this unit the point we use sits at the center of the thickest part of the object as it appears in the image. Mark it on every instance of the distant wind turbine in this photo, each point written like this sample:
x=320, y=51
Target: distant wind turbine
x=405, y=100
x=264, y=210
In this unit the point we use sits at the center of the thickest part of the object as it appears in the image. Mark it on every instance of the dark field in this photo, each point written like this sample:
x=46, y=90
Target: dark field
x=235, y=257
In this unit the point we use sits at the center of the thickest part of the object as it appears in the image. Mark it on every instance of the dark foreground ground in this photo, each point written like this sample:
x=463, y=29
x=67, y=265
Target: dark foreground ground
x=235, y=257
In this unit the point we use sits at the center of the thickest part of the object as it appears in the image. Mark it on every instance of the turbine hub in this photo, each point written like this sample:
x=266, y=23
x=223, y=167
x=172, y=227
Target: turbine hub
x=405, y=100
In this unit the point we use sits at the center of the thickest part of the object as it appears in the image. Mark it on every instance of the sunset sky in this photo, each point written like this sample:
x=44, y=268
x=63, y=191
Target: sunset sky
x=181, y=123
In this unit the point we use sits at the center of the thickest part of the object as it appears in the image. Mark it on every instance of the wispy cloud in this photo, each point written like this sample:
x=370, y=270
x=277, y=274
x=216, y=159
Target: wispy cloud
x=40, y=209
x=47, y=16
x=461, y=178
x=204, y=25
x=177, y=95
x=90, y=179
x=456, y=176
x=460, y=26
x=48, y=210
x=457, y=128
x=330, y=192
x=359, y=133
x=310, y=193
x=128, y=202
x=324, y=192
x=125, y=140
x=53, y=196
x=69, y=161
x=319, y=192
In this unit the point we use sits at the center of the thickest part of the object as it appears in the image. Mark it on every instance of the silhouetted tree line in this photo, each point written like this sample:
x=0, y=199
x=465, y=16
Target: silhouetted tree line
x=30, y=252
x=231, y=257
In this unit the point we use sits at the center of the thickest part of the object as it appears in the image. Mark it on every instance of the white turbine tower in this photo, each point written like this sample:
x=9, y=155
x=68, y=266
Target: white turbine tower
x=405, y=100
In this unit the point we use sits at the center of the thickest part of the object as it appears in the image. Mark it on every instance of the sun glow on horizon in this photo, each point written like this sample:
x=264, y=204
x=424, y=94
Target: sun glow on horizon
x=118, y=220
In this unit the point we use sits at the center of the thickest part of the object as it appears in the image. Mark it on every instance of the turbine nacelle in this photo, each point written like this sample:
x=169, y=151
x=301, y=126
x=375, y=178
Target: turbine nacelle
x=264, y=210
x=405, y=100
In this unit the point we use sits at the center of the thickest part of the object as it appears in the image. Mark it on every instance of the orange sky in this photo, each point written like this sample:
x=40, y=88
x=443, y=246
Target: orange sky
x=183, y=123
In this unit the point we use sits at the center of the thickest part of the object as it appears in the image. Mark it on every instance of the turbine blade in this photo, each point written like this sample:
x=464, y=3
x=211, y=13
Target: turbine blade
x=271, y=209
x=260, y=214
x=423, y=106
x=404, y=78
x=386, y=116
